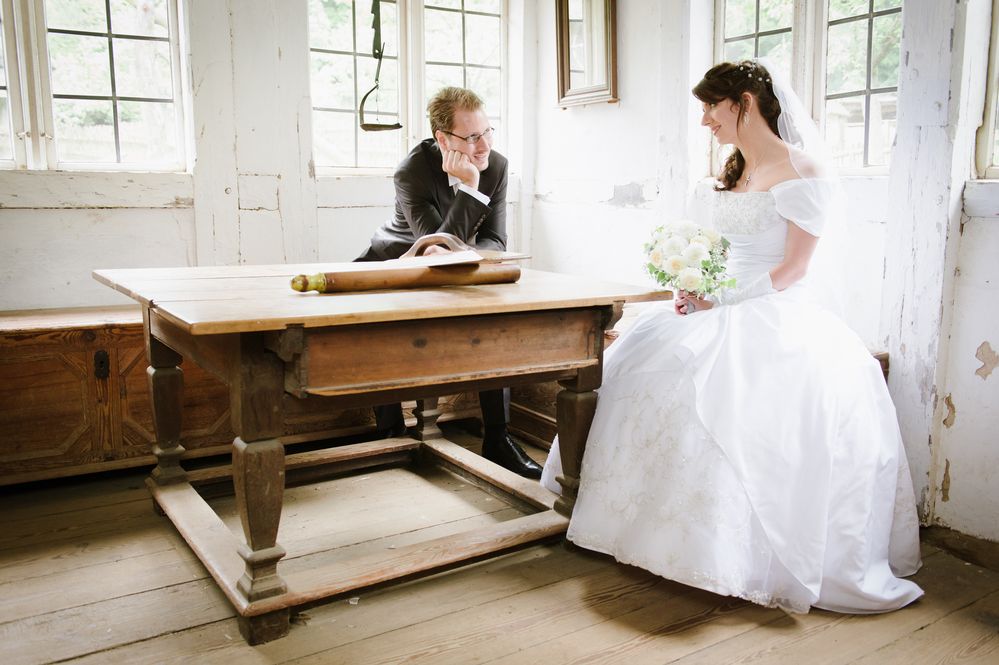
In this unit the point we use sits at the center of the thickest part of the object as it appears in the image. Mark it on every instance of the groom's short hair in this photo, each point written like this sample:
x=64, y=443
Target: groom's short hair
x=442, y=106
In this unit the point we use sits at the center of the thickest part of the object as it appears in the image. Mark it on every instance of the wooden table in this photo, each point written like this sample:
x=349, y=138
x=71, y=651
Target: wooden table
x=246, y=325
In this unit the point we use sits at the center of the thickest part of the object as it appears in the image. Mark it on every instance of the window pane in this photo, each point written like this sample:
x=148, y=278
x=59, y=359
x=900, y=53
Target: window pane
x=76, y=15
x=6, y=147
x=995, y=144
x=482, y=40
x=84, y=130
x=490, y=6
x=886, y=4
x=142, y=68
x=140, y=17
x=740, y=17
x=333, y=81
x=488, y=84
x=845, y=130
x=390, y=28
x=333, y=138
x=882, y=131
x=331, y=25
x=378, y=148
x=846, y=58
x=443, y=36
x=440, y=76
x=776, y=14
x=887, y=40
x=148, y=132
x=847, y=8
x=79, y=64
x=451, y=4
x=778, y=48
x=340, y=82
x=3, y=63
x=386, y=98
x=739, y=50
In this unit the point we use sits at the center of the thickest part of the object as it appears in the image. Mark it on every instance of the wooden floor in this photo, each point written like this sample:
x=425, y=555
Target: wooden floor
x=90, y=574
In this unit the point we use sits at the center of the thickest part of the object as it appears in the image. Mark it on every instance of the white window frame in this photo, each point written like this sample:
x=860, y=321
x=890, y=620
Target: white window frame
x=986, y=135
x=412, y=64
x=809, y=33
x=28, y=81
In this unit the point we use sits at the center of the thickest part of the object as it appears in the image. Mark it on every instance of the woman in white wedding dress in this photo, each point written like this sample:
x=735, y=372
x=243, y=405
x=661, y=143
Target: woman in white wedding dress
x=747, y=444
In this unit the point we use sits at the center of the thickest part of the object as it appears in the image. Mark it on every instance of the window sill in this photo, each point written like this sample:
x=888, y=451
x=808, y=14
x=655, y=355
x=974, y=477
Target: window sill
x=90, y=189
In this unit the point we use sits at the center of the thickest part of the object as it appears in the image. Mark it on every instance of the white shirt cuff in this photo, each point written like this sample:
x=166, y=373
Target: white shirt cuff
x=474, y=192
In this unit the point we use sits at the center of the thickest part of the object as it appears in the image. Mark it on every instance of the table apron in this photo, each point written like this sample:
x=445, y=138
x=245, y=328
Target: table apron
x=397, y=355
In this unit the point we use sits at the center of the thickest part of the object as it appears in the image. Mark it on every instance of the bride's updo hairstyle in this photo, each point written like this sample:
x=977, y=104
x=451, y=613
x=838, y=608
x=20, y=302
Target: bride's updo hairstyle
x=726, y=82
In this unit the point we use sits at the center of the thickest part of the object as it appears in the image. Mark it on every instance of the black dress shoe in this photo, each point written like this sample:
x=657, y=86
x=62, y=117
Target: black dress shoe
x=504, y=451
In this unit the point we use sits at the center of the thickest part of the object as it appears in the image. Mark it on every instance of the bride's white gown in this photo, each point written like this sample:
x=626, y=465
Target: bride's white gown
x=753, y=449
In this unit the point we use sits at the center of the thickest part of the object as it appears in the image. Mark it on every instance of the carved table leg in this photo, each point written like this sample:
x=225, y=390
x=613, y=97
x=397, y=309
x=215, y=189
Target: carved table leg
x=166, y=389
x=427, y=413
x=258, y=480
x=574, y=409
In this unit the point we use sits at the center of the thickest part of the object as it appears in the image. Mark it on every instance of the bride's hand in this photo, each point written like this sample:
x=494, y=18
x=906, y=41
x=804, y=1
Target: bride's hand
x=688, y=303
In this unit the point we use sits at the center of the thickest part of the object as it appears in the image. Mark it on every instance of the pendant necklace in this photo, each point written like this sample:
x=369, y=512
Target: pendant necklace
x=749, y=176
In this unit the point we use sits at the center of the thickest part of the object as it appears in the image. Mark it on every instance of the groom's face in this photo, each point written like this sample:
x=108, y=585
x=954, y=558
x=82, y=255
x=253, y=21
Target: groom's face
x=469, y=123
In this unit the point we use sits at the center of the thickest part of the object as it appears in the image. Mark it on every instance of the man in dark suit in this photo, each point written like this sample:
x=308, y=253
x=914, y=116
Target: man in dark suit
x=454, y=183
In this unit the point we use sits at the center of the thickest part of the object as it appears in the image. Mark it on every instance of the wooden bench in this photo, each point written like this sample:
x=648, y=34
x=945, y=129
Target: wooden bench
x=74, y=398
x=532, y=408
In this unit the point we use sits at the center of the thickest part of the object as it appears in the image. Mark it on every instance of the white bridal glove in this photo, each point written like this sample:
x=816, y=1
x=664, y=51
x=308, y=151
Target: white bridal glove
x=760, y=286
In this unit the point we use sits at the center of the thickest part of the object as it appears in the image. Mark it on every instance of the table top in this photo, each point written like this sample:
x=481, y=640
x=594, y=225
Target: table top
x=228, y=299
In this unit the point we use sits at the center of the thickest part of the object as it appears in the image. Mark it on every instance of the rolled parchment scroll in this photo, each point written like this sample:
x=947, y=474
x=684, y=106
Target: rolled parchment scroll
x=399, y=277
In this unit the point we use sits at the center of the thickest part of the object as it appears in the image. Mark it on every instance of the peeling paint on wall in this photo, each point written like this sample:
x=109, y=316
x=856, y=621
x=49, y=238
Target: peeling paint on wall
x=989, y=359
x=945, y=484
x=627, y=195
x=951, y=416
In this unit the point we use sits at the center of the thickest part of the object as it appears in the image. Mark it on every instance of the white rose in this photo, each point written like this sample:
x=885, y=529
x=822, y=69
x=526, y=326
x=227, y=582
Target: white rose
x=711, y=235
x=686, y=228
x=701, y=239
x=695, y=253
x=674, y=245
x=689, y=279
x=674, y=265
x=656, y=257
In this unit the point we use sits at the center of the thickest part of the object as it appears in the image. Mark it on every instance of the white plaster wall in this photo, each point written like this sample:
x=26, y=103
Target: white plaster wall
x=940, y=101
x=967, y=496
x=607, y=174
x=48, y=255
x=56, y=228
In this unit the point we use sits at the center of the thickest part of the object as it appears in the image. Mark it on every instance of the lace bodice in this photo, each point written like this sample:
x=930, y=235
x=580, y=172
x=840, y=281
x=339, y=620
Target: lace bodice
x=745, y=213
x=758, y=233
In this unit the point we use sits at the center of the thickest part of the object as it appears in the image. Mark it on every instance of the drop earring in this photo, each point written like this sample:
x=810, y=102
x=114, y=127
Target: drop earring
x=745, y=119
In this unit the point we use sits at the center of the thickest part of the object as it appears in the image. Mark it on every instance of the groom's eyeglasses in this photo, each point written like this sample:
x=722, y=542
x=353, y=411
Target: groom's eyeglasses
x=472, y=139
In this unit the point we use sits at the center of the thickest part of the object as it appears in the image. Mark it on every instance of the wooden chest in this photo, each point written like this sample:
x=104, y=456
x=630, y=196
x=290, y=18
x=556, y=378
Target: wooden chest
x=74, y=398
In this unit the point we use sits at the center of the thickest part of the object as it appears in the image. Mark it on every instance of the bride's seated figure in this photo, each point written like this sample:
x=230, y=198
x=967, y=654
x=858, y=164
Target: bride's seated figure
x=746, y=443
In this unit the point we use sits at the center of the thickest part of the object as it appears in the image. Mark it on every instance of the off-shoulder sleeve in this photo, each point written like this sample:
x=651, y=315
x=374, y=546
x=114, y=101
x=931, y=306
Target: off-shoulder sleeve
x=806, y=202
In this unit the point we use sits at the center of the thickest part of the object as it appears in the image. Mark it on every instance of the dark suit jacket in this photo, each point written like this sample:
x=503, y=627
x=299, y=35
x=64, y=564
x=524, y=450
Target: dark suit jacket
x=425, y=204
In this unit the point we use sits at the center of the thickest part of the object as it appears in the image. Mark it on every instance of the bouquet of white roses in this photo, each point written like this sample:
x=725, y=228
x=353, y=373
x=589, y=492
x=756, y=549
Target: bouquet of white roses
x=685, y=256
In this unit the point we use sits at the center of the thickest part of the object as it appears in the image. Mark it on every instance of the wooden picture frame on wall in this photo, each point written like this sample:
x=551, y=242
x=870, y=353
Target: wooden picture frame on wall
x=587, y=51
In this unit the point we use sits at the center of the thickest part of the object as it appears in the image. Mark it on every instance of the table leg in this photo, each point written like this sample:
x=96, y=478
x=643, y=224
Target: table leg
x=427, y=413
x=258, y=479
x=574, y=409
x=166, y=389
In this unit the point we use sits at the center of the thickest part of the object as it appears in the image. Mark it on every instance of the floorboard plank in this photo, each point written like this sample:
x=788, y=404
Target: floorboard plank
x=90, y=574
x=826, y=638
x=969, y=636
x=330, y=625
